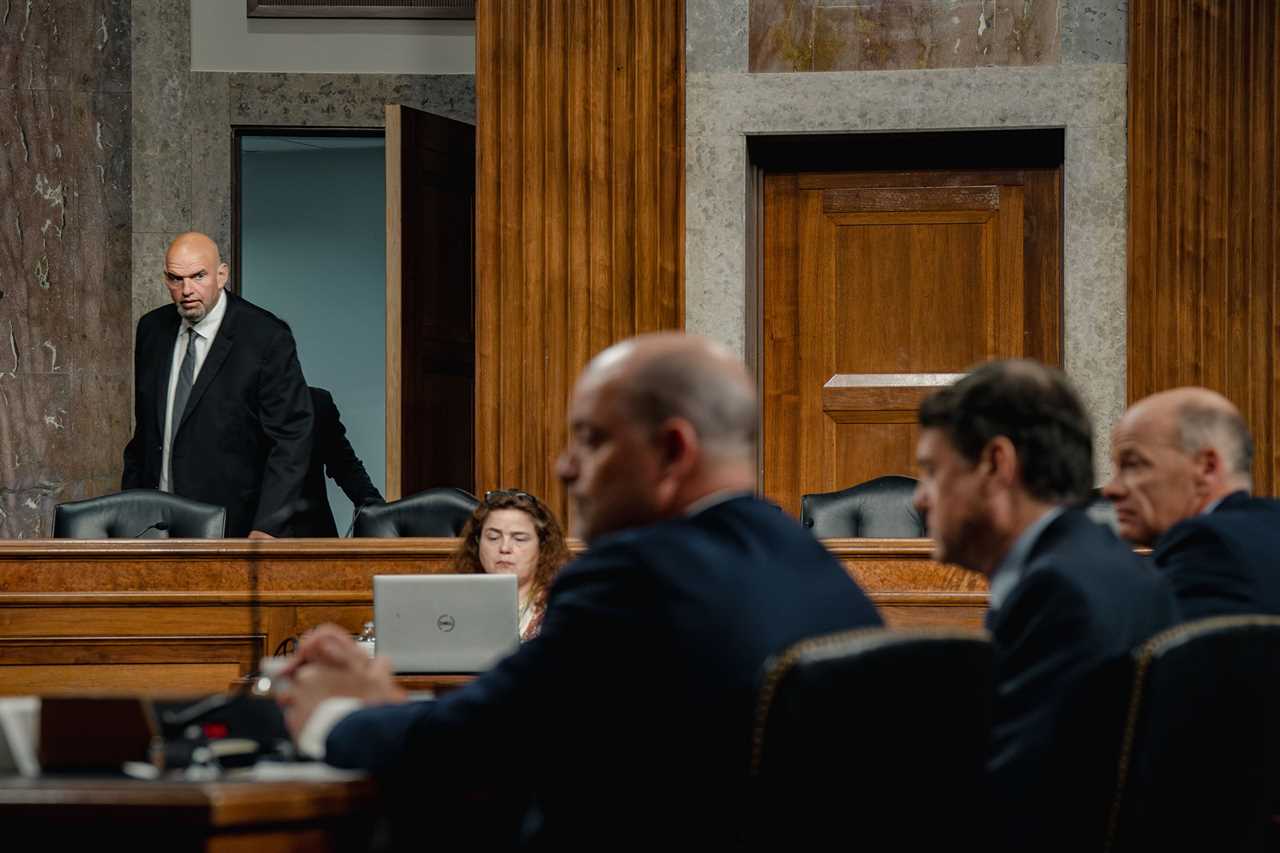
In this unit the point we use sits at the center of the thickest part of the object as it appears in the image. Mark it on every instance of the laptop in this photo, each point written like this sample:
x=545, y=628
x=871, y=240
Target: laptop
x=445, y=623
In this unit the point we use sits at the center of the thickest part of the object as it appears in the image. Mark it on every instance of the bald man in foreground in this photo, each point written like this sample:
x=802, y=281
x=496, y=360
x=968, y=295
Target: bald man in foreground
x=1182, y=483
x=222, y=411
x=627, y=722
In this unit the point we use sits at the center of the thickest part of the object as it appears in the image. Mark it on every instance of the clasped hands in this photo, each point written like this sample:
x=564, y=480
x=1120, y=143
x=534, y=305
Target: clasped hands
x=328, y=664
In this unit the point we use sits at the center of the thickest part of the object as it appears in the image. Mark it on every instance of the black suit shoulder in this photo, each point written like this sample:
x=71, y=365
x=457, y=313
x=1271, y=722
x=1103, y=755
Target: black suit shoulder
x=1226, y=561
x=1116, y=591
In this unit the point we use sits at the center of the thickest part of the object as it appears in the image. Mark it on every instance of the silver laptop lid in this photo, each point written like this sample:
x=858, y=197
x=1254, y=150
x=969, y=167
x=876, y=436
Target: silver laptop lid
x=445, y=623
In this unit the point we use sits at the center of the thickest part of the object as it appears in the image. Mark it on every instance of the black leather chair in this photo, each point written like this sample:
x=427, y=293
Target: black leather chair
x=872, y=733
x=436, y=512
x=1199, y=765
x=139, y=514
x=877, y=509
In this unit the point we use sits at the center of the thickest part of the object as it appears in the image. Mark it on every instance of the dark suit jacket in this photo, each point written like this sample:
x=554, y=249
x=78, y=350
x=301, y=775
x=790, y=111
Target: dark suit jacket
x=1226, y=561
x=244, y=441
x=1084, y=599
x=331, y=453
x=628, y=719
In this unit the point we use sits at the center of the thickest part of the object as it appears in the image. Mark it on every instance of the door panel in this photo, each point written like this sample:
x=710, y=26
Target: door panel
x=430, y=302
x=879, y=289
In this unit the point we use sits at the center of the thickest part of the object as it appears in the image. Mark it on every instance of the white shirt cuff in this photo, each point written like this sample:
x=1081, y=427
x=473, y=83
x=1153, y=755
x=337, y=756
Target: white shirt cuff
x=326, y=716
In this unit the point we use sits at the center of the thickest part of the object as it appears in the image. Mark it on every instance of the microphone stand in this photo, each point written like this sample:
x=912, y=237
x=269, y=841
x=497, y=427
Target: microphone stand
x=244, y=693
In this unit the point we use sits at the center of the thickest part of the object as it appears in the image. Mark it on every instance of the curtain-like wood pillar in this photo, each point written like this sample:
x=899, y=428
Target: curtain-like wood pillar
x=579, y=210
x=1203, y=215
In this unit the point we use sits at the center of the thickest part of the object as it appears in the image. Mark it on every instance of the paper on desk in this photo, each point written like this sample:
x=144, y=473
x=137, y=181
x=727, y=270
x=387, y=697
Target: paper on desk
x=293, y=771
x=19, y=732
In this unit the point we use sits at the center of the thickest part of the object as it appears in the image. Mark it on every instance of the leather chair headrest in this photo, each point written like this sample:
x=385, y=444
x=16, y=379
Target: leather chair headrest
x=145, y=513
x=438, y=512
x=879, y=509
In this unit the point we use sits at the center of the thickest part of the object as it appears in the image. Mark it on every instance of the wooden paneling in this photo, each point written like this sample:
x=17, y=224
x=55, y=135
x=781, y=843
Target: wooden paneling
x=196, y=615
x=579, y=210
x=261, y=816
x=873, y=282
x=1204, y=220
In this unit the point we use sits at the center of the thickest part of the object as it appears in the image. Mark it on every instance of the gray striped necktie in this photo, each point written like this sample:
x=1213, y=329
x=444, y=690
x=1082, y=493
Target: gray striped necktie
x=186, y=378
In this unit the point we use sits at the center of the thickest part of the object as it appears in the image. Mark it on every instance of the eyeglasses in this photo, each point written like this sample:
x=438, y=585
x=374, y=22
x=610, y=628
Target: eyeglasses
x=498, y=494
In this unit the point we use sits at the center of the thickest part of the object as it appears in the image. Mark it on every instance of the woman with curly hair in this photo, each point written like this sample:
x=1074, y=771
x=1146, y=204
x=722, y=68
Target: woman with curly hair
x=512, y=532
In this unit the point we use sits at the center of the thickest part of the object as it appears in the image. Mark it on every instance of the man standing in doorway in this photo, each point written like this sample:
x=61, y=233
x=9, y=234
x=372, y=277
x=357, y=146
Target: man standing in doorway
x=222, y=411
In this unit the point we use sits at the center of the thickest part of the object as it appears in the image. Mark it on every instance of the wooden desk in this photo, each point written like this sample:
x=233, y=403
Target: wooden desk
x=195, y=615
x=181, y=816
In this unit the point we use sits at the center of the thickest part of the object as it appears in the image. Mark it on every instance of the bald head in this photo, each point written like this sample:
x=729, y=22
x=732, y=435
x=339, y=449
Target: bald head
x=194, y=274
x=673, y=375
x=1199, y=419
x=1174, y=454
x=656, y=423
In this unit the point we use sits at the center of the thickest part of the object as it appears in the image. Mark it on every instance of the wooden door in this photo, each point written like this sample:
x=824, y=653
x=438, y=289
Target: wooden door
x=881, y=287
x=431, y=185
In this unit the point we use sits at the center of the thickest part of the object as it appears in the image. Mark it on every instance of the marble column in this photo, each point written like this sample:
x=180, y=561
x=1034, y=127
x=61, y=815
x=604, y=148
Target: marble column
x=65, y=334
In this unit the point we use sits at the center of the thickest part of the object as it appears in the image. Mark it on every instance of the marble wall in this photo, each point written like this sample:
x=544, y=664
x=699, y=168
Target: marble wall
x=1083, y=91
x=183, y=120
x=881, y=35
x=65, y=338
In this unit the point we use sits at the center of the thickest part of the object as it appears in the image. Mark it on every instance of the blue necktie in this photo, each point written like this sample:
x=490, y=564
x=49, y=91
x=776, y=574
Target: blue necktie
x=186, y=378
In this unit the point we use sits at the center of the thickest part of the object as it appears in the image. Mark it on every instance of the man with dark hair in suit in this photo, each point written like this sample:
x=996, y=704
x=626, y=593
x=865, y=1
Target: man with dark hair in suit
x=1005, y=454
x=628, y=720
x=1182, y=478
x=222, y=411
x=331, y=453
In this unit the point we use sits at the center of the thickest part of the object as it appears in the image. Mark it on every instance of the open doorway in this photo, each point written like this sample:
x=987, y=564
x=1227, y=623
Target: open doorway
x=311, y=248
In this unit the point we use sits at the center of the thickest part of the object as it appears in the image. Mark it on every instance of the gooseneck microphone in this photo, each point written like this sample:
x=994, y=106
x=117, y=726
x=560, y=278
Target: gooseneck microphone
x=161, y=526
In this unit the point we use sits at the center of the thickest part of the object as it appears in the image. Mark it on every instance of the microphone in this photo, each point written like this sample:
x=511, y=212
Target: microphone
x=161, y=526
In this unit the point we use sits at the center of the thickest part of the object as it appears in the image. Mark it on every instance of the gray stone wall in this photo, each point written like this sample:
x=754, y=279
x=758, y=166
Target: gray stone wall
x=1084, y=92
x=65, y=338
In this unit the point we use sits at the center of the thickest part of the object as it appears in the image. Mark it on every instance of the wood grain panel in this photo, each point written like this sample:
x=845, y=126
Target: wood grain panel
x=100, y=610
x=579, y=210
x=1204, y=215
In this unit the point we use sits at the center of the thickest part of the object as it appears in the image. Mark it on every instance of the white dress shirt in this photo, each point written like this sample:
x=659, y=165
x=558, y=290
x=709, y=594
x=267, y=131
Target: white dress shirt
x=206, y=330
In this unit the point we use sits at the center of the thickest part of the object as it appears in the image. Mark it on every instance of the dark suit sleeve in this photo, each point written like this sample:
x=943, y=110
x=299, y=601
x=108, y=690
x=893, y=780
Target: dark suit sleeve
x=341, y=462
x=286, y=418
x=134, y=452
x=1206, y=578
x=482, y=732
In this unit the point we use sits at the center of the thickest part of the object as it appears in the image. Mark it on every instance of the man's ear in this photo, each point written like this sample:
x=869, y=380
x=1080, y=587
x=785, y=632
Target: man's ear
x=678, y=445
x=223, y=272
x=1000, y=459
x=1208, y=466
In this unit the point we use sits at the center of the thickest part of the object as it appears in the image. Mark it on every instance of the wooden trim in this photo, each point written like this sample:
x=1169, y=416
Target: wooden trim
x=403, y=10
x=897, y=199
x=880, y=397
x=25, y=550
x=395, y=351
x=130, y=550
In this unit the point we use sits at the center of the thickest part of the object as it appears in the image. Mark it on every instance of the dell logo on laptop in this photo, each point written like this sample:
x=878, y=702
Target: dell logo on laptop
x=445, y=622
